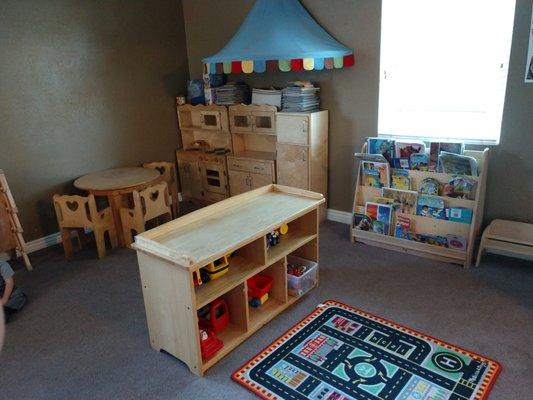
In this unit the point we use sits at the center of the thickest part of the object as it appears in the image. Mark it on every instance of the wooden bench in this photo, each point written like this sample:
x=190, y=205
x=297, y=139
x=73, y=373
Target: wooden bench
x=507, y=237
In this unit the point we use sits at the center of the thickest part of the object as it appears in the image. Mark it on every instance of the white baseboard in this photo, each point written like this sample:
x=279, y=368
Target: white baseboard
x=55, y=238
x=339, y=216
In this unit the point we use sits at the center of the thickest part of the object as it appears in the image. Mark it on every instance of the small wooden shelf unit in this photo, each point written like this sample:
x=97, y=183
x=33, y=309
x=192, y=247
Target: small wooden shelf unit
x=169, y=254
x=429, y=225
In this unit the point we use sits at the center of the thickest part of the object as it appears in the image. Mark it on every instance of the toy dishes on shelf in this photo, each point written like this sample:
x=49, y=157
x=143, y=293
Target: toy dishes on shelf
x=429, y=186
x=258, y=287
x=209, y=343
x=273, y=238
x=214, y=316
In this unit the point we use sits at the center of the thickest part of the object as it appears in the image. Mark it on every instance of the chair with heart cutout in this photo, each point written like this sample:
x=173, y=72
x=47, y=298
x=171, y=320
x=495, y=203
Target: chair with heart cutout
x=169, y=175
x=148, y=204
x=77, y=213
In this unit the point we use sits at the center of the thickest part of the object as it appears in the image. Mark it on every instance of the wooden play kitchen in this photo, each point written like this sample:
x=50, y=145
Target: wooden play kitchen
x=231, y=232
x=231, y=150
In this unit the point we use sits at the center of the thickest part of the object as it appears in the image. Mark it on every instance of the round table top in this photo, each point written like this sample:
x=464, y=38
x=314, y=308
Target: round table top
x=117, y=179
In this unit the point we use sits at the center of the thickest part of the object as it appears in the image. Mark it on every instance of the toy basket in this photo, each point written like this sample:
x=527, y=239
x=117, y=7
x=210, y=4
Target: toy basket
x=299, y=285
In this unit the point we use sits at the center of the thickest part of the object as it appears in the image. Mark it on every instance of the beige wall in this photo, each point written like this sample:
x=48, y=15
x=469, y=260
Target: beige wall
x=351, y=95
x=84, y=86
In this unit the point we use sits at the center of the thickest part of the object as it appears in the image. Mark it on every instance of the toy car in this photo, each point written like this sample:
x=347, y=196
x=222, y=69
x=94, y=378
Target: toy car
x=214, y=316
x=258, y=288
x=215, y=269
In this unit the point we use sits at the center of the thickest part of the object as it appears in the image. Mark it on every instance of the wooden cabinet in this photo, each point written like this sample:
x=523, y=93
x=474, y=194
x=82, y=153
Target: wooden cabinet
x=302, y=151
x=211, y=117
x=171, y=254
x=253, y=119
x=249, y=171
x=190, y=179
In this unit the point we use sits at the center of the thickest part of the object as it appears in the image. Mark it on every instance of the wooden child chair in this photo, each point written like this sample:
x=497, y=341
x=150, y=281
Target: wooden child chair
x=148, y=204
x=168, y=172
x=77, y=213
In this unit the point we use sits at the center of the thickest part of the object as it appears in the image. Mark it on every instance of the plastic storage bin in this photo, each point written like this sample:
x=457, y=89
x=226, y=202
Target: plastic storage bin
x=299, y=285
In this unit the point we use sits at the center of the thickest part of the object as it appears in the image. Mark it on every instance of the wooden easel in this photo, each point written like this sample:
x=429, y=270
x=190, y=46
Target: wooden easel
x=11, y=239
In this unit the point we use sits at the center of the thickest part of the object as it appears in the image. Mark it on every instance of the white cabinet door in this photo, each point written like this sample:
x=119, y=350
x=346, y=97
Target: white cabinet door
x=293, y=165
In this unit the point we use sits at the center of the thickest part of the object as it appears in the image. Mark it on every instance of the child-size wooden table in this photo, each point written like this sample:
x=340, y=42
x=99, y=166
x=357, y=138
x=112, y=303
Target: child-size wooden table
x=114, y=184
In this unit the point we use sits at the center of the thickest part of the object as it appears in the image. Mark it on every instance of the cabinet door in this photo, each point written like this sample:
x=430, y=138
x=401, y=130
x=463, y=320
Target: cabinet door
x=239, y=182
x=240, y=121
x=292, y=128
x=211, y=120
x=213, y=177
x=191, y=179
x=265, y=122
x=293, y=165
x=259, y=180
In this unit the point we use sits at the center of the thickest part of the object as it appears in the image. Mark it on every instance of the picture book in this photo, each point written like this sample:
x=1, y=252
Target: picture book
x=460, y=187
x=429, y=206
x=384, y=147
x=456, y=242
x=405, y=149
x=371, y=210
x=381, y=215
x=362, y=222
x=404, y=200
x=460, y=214
x=380, y=227
x=429, y=186
x=451, y=163
x=402, y=227
x=400, y=163
x=400, y=179
x=383, y=200
x=419, y=162
x=435, y=240
x=372, y=170
x=435, y=149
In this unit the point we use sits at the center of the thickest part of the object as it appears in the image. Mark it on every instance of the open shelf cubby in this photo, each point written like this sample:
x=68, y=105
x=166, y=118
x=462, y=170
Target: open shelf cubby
x=428, y=225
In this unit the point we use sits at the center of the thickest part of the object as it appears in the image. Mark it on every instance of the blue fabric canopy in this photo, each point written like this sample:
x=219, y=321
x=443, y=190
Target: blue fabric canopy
x=283, y=32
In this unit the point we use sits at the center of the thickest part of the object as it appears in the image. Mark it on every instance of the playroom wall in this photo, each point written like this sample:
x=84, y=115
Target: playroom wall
x=351, y=95
x=84, y=86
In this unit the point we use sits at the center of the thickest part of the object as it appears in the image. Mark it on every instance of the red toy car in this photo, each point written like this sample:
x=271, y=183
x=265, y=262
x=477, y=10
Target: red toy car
x=214, y=316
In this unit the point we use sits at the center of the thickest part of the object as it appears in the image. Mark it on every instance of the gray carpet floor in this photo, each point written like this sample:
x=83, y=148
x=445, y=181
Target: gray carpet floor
x=83, y=334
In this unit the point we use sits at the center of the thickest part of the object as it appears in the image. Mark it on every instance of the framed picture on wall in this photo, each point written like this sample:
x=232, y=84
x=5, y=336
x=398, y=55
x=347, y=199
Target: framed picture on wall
x=529, y=62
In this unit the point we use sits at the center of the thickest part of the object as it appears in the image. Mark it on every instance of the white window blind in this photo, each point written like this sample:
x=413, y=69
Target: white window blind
x=444, y=68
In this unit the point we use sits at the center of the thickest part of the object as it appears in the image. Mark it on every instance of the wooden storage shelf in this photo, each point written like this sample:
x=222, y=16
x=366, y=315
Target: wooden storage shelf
x=427, y=225
x=170, y=254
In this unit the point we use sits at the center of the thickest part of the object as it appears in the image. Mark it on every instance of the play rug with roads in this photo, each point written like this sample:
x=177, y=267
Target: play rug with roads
x=339, y=352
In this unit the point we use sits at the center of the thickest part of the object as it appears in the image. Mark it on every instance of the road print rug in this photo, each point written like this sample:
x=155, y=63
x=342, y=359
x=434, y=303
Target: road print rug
x=339, y=352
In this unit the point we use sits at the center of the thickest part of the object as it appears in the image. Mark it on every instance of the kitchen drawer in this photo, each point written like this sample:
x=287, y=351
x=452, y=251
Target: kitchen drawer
x=292, y=128
x=249, y=165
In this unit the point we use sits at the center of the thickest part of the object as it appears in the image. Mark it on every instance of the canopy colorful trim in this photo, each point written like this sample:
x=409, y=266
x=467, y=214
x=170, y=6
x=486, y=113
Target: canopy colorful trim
x=279, y=35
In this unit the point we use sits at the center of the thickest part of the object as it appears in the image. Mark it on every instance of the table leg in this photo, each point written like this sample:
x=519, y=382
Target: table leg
x=115, y=201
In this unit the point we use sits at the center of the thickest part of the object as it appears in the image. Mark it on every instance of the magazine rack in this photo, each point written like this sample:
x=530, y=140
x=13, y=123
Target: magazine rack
x=428, y=225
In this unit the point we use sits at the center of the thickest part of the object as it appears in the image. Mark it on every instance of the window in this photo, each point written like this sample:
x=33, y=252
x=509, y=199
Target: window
x=444, y=68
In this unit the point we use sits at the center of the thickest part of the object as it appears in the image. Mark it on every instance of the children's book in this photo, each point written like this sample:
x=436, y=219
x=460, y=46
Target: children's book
x=451, y=163
x=429, y=186
x=419, y=162
x=400, y=163
x=435, y=149
x=383, y=200
x=436, y=240
x=375, y=174
x=460, y=187
x=381, y=215
x=459, y=214
x=404, y=200
x=405, y=149
x=402, y=227
x=456, y=242
x=362, y=222
x=400, y=179
x=384, y=147
x=429, y=206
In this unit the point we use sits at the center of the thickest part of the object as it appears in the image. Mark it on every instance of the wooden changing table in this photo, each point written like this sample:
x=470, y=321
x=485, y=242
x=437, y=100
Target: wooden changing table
x=169, y=254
